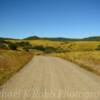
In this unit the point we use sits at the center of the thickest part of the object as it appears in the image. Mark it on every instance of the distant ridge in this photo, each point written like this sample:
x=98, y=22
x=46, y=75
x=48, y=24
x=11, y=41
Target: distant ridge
x=4, y=38
x=32, y=37
x=97, y=38
x=93, y=38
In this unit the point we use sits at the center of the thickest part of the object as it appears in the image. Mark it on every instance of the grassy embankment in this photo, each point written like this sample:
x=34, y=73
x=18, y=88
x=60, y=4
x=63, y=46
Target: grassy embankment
x=85, y=54
x=90, y=60
x=11, y=62
x=14, y=54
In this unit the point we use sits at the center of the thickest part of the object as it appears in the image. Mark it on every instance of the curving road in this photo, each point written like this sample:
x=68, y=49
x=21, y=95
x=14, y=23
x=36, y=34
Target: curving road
x=51, y=78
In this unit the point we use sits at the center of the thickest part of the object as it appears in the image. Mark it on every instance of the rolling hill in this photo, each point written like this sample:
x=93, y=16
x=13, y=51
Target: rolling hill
x=93, y=38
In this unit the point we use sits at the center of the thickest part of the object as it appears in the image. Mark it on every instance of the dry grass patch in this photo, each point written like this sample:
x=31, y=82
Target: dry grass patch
x=11, y=62
x=89, y=60
x=68, y=45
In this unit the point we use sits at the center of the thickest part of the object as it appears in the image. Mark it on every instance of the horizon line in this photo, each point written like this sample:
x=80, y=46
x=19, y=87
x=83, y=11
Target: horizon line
x=48, y=37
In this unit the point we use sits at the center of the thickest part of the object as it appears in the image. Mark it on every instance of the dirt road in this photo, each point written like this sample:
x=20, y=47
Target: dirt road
x=51, y=78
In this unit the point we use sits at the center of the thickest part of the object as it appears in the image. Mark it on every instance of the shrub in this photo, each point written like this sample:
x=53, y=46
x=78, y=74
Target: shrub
x=98, y=47
x=12, y=46
x=2, y=39
x=46, y=49
x=25, y=45
x=50, y=49
x=3, y=46
x=40, y=47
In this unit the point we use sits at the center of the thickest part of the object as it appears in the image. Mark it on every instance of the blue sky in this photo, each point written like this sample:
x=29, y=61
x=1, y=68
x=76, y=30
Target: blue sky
x=49, y=18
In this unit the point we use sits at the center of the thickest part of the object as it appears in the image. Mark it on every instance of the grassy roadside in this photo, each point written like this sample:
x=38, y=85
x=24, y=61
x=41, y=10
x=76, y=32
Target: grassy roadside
x=11, y=62
x=89, y=60
x=14, y=54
